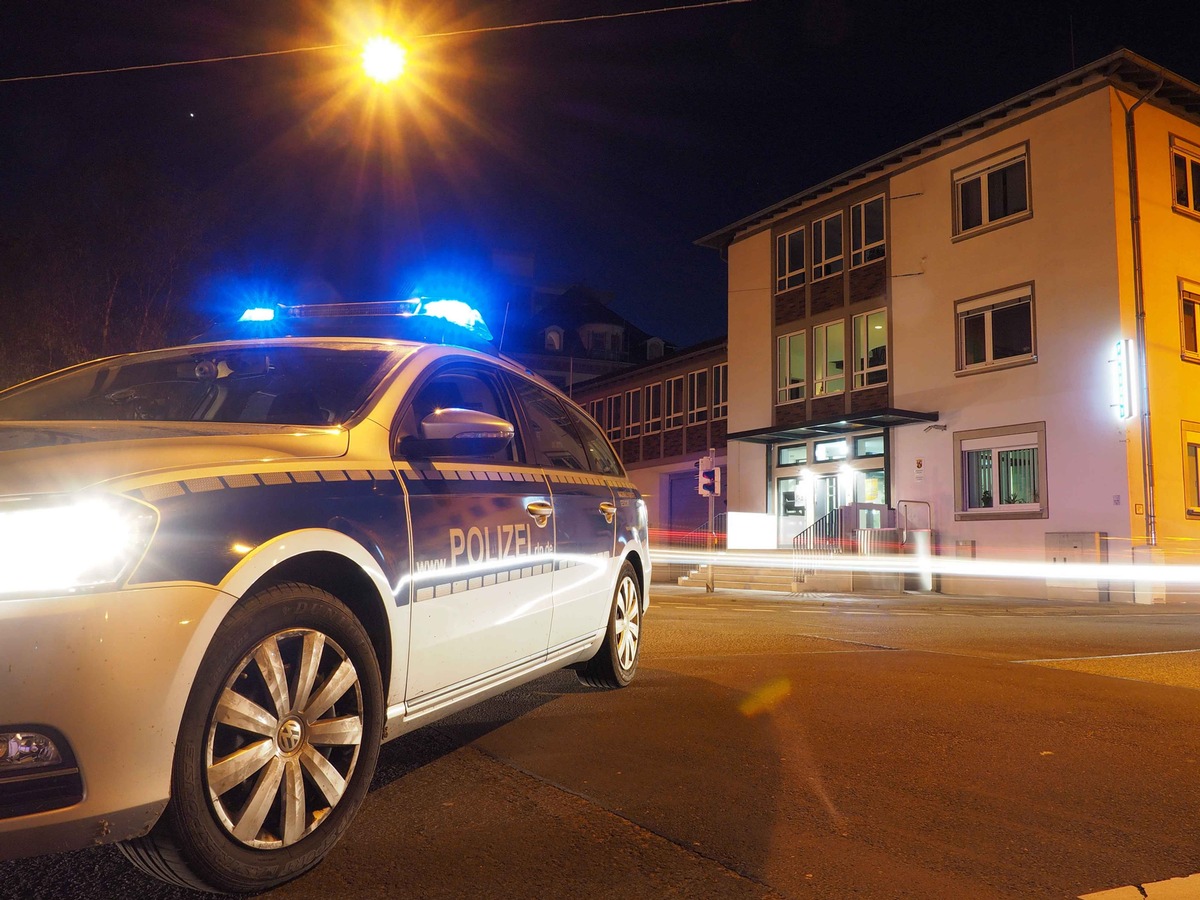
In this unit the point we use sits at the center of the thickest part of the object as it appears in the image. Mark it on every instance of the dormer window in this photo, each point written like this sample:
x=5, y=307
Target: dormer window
x=654, y=348
x=554, y=339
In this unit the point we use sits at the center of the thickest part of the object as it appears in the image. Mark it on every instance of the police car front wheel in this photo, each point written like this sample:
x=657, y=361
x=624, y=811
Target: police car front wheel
x=277, y=747
x=615, y=663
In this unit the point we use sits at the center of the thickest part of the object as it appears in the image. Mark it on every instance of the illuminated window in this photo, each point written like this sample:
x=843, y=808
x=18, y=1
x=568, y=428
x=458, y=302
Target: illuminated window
x=554, y=338
x=633, y=408
x=868, y=446
x=829, y=358
x=654, y=408
x=675, y=402
x=992, y=191
x=831, y=451
x=1185, y=177
x=1190, y=310
x=996, y=329
x=790, y=379
x=793, y=455
x=615, y=418
x=789, y=260
x=867, y=242
x=697, y=397
x=721, y=391
x=870, y=349
x=1000, y=472
x=1191, y=468
x=828, y=256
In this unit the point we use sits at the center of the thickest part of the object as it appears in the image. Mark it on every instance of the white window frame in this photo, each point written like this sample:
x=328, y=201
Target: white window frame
x=1189, y=321
x=790, y=387
x=824, y=265
x=825, y=381
x=790, y=273
x=980, y=171
x=1189, y=155
x=1191, y=469
x=654, y=408
x=720, y=391
x=633, y=412
x=596, y=411
x=863, y=370
x=986, y=306
x=862, y=251
x=676, y=402
x=697, y=407
x=1028, y=436
x=615, y=417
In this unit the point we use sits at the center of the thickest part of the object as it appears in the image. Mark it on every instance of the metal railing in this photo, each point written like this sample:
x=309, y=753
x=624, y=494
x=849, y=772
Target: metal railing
x=821, y=538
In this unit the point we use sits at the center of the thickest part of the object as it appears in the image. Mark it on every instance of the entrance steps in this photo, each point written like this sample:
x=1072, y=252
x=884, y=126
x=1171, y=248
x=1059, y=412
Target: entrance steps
x=744, y=578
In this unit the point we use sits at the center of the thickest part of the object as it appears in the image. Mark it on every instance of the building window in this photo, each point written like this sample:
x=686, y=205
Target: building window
x=721, y=391
x=827, y=246
x=790, y=380
x=789, y=260
x=654, y=408
x=868, y=446
x=991, y=191
x=554, y=338
x=697, y=397
x=615, y=419
x=831, y=451
x=1191, y=468
x=793, y=455
x=1185, y=176
x=1000, y=472
x=829, y=358
x=870, y=349
x=675, y=402
x=867, y=242
x=633, y=410
x=595, y=409
x=1190, y=317
x=996, y=329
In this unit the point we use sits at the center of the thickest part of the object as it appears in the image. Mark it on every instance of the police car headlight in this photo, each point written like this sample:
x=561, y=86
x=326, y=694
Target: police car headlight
x=70, y=544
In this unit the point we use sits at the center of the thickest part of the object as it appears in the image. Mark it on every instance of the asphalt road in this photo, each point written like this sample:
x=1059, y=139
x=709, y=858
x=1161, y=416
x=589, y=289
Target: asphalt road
x=825, y=747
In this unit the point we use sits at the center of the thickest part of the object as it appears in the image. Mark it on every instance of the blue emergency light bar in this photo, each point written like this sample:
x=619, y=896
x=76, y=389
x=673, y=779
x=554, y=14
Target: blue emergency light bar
x=430, y=320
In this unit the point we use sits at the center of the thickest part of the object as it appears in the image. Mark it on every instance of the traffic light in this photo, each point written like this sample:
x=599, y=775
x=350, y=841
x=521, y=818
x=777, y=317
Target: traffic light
x=708, y=482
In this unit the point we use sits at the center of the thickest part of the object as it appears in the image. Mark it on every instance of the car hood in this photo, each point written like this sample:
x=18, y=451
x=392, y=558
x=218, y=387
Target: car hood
x=41, y=457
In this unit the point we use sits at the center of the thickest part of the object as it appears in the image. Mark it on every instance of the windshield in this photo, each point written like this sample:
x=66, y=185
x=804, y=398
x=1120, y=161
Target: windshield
x=305, y=385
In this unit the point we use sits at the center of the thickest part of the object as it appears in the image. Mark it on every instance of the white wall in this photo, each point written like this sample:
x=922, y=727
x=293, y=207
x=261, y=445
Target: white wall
x=1068, y=250
x=751, y=390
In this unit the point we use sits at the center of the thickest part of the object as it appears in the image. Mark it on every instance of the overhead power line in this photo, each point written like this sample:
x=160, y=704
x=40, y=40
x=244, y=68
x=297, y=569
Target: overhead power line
x=481, y=30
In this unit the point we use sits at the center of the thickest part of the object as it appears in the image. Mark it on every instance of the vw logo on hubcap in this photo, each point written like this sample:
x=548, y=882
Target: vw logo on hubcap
x=291, y=736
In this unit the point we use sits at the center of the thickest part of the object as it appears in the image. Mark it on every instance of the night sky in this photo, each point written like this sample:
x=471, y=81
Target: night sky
x=602, y=150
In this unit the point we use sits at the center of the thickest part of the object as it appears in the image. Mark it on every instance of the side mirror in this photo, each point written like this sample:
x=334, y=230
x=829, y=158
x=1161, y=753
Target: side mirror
x=458, y=432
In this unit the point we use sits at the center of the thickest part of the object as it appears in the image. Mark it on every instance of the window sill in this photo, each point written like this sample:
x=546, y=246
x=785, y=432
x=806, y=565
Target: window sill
x=1186, y=211
x=985, y=515
x=1190, y=357
x=1193, y=512
x=992, y=226
x=995, y=367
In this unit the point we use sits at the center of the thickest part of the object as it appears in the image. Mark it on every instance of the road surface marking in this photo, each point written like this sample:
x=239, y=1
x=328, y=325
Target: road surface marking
x=1057, y=659
x=1173, y=889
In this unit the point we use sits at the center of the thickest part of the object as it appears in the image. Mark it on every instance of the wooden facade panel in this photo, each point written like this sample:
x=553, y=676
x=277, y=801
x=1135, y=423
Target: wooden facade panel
x=869, y=282
x=827, y=295
x=869, y=398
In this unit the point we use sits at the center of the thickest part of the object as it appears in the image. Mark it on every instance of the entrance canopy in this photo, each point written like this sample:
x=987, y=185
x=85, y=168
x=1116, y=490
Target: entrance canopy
x=851, y=423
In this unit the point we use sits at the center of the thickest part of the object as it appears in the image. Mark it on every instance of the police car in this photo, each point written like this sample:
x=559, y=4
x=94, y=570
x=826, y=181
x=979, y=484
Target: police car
x=230, y=570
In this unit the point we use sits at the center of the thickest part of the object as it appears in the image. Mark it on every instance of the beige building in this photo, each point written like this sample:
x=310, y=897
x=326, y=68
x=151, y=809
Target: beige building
x=991, y=331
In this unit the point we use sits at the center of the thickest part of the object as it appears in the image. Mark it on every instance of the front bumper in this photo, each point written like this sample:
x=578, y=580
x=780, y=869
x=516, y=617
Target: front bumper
x=110, y=674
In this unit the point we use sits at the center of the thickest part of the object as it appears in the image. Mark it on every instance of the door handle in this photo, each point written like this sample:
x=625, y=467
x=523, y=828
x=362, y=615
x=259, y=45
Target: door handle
x=609, y=511
x=541, y=512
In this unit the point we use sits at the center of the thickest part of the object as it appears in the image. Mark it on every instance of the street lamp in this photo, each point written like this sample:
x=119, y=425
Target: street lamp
x=383, y=59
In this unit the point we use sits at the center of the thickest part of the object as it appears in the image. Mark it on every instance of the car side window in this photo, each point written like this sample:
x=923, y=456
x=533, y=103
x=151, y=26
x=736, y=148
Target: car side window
x=459, y=388
x=552, y=437
x=599, y=451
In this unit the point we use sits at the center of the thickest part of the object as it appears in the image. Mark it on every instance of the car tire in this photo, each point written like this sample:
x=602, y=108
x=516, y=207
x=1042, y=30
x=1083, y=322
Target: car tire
x=278, y=743
x=615, y=663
